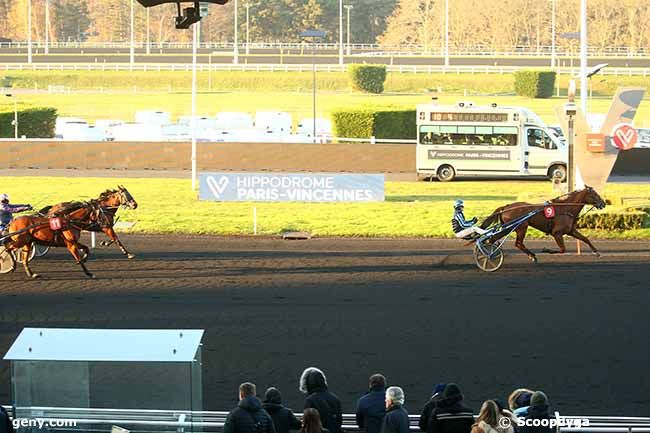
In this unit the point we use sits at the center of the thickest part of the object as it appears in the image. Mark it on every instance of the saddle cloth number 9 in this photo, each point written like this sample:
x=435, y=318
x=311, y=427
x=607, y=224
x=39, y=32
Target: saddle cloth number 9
x=56, y=223
x=549, y=212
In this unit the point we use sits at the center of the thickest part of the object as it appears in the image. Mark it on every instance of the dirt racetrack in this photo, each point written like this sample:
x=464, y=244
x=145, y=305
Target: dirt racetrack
x=418, y=311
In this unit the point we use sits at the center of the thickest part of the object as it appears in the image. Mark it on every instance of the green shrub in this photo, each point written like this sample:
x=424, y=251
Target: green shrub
x=32, y=123
x=613, y=221
x=387, y=123
x=535, y=84
x=367, y=78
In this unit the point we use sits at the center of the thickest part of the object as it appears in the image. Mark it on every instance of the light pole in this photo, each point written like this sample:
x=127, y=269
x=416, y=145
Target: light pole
x=248, y=41
x=583, y=55
x=193, y=119
x=132, y=48
x=148, y=39
x=15, y=122
x=313, y=35
x=47, y=26
x=29, y=31
x=235, y=52
x=340, y=32
x=553, y=29
x=446, y=32
x=347, y=9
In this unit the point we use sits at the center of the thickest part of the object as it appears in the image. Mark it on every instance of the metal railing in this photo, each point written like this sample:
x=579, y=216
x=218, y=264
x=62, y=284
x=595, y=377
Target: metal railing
x=417, y=69
x=180, y=421
x=414, y=49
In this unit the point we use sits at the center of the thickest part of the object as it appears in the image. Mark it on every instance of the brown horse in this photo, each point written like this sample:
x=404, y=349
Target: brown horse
x=566, y=208
x=38, y=229
x=104, y=219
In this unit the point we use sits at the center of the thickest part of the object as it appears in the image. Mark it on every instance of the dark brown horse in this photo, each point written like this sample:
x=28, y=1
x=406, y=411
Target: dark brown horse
x=104, y=219
x=566, y=209
x=31, y=229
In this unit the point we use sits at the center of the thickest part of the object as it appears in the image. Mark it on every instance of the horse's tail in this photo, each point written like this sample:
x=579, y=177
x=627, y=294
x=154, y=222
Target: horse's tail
x=496, y=216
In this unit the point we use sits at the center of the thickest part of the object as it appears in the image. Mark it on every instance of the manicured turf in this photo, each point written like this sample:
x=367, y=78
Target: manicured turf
x=411, y=209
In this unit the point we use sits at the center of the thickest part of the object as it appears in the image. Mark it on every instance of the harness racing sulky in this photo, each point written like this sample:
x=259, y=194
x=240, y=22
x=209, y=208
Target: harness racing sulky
x=556, y=217
x=61, y=225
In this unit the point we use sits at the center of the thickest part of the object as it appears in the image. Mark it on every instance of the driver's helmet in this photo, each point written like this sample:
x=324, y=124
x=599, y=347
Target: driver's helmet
x=458, y=204
x=4, y=197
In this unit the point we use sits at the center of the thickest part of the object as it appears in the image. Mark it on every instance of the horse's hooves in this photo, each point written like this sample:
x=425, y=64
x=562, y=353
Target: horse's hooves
x=34, y=276
x=91, y=276
x=130, y=256
x=533, y=259
x=597, y=254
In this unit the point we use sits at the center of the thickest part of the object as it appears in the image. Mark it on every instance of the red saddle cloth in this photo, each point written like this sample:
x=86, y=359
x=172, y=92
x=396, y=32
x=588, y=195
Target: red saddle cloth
x=549, y=212
x=56, y=223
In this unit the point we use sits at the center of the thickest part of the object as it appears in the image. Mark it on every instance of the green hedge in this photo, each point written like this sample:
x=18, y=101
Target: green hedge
x=611, y=221
x=367, y=78
x=535, y=84
x=379, y=123
x=32, y=123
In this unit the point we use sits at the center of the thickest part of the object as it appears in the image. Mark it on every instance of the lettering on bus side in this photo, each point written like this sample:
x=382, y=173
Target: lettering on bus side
x=495, y=155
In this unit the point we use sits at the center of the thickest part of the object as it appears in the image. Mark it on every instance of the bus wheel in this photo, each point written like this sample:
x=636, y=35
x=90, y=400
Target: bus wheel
x=557, y=171
x=446, y=173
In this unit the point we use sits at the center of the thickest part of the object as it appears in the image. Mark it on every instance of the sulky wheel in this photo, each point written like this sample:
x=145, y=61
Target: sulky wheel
x=7, y=261
x=40, y=250
x=488, y=257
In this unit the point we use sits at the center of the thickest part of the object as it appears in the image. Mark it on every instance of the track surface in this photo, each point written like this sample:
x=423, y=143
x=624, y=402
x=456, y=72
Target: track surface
x=417, y=310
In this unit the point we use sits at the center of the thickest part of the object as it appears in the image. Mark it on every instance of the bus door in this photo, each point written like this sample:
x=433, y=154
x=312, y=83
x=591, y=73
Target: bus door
x=542, y=150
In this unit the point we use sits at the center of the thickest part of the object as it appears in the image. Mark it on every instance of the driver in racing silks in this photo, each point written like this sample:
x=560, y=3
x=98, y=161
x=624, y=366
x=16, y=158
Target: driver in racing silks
x=462, y=227
x=7, y=211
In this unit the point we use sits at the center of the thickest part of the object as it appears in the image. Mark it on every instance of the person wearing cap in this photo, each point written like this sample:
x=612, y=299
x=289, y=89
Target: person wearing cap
x=371, y=408
x=436, y=395
x=450, y=414
x=283, y=417
x=7, y=211
x=397, y=417
x=462, y=227
x=539, y=409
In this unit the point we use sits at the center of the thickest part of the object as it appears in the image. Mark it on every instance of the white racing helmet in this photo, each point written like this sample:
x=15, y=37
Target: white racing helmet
x=4, y=197
x=459, y=203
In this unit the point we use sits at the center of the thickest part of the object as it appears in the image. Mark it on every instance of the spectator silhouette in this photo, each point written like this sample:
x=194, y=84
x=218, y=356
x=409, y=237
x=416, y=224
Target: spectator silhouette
x=311, y=422
x=450, y=414
x=539, y=410
x=314, y=383
x=283, y=417
x=397, y=418
x=248, y=416
x=371, y=407
x=436, y=395
x=490, y=420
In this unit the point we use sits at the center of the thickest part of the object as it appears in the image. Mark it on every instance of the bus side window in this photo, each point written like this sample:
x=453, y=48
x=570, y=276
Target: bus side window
x=539, y=138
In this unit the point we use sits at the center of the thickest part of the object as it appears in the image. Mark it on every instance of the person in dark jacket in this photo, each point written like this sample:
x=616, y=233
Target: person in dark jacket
x=397, y=417
x=371, y=408
x=450, y=414
x=539, y=409
x=248, y=416
x=428, y=407
x=314, y=383
x=283, y=417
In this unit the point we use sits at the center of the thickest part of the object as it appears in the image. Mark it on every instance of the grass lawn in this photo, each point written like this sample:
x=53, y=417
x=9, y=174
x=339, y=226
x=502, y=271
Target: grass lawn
x=411, y=209
x=123, y=106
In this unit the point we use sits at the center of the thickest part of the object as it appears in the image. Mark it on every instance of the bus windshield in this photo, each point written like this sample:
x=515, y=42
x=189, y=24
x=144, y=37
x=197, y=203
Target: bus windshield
x=462, y=135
